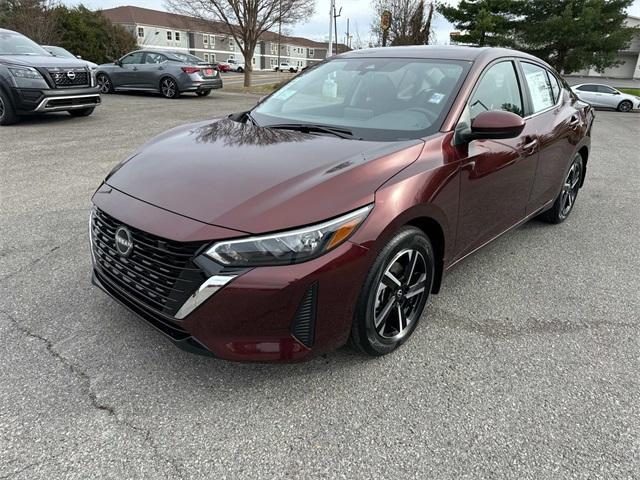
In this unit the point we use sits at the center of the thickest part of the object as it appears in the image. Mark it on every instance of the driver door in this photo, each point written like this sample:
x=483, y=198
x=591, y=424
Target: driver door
x=126, y=75
x=496, y=176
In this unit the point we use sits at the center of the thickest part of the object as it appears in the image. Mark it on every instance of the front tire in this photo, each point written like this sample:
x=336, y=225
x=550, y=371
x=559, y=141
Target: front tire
x=394, y=293
x=625, y=106
x=240, y=70
x=7, y=113
x=566, y=199
x=82, y=112
x=169, y=88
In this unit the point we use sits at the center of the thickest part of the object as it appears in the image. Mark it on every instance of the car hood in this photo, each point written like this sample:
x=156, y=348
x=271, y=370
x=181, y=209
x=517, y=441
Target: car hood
x=47, y=61
x=256, y=179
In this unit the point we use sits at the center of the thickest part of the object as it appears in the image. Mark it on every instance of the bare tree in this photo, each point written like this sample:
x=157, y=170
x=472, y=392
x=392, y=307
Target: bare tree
x=410, y=21
x=37, y=19
x=246, y=20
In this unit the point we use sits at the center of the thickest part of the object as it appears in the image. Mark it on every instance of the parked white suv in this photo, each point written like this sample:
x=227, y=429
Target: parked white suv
x=235, y=67
x=286, y=67
x=600, y=95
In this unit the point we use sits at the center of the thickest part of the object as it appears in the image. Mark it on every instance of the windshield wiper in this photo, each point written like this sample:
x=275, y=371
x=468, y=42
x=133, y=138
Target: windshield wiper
x=310, y=127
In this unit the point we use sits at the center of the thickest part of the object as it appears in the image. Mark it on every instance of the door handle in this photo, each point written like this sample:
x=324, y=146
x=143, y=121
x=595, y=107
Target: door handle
x=529, y=147
x=134, y=69
x=160, y=68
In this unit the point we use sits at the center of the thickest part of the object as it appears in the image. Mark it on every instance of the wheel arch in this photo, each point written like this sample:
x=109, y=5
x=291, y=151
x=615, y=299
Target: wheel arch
x=435, y=232
x=584, y=153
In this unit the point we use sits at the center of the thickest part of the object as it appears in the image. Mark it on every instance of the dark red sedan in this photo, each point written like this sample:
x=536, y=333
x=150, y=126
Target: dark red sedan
x=333, y=209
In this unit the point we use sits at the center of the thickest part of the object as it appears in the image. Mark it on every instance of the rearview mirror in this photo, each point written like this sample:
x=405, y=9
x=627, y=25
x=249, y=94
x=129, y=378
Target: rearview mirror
x=495, y=124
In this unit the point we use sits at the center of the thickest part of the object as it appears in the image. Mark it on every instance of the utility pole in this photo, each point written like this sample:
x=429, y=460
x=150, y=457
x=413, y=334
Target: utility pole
x=330, y=46
x=335, y=23
x=348, y=37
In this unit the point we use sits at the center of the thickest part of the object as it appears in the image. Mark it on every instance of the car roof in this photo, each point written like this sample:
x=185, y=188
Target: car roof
x=445, y=52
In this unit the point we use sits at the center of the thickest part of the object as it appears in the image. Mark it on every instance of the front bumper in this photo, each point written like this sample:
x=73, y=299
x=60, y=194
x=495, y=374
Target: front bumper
x=29, y=101
x=286, y=313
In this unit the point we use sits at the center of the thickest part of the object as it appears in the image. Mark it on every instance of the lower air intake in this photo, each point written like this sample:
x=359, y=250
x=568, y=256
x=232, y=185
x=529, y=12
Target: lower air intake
x=304, y=323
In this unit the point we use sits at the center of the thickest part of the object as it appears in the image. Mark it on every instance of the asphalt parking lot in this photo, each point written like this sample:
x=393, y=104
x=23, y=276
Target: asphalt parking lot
x=525, y=366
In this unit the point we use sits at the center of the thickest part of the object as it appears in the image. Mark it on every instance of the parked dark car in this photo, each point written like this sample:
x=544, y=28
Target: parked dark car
x=333, y=209
x=167, y=73
x=32, y=81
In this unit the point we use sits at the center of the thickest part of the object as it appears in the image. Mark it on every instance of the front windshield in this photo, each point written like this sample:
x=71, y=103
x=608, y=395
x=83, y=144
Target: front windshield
x=60, y=52
x=16, y=44
x=375, y=98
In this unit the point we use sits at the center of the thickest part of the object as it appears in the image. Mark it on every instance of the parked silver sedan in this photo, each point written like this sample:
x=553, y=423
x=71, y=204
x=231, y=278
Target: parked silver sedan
x=599, y=95
x=164, y=72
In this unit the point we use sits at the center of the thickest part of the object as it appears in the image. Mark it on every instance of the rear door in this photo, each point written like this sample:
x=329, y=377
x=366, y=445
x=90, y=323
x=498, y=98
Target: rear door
x=588, y=93
x=552, y=112
x=152, y=70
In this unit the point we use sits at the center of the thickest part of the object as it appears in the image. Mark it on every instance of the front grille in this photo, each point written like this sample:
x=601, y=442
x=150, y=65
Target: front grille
x=158, y=274
x=73, y=77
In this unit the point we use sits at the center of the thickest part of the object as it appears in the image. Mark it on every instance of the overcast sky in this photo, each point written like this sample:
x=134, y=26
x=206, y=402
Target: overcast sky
x=358, y=11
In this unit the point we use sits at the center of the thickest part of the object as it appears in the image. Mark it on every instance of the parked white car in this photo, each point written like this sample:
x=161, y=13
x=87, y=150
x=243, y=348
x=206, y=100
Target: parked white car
x=600, y=95
x=286, y=67
x=235, y=67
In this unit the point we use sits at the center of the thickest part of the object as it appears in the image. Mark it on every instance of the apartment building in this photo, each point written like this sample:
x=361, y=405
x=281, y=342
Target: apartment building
x=210, y=40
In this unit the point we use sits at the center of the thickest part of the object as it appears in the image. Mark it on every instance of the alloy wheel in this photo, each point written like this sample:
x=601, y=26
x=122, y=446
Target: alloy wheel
x=399, y=294
x=2, y=108
x=169, y=88
x=625, y=106
x=570, y=189
x=104, y=83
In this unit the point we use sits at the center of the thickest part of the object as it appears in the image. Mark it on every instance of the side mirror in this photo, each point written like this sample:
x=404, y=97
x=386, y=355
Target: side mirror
x=118, y=62
x=616, y=92
x=79, y=56
x=495, y=124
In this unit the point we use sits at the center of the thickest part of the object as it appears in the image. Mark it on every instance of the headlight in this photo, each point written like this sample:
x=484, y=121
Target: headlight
x=290, y=247
x=27, y=77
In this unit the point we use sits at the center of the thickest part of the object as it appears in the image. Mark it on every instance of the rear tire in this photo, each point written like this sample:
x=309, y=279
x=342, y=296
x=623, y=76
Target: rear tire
x=203, y=93
x=105, y=83
x=394, y=293
x=625, y=106
x=82, y=112
x=563, y=205
x=169, y=88
x=240, y=70
x=7, y=113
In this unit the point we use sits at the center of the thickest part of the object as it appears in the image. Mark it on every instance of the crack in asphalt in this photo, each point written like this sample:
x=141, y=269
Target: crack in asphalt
x=93, y=398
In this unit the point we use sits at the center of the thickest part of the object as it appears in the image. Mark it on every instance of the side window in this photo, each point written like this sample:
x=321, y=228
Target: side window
x=141, y=32
x=155, y=58
x=588, y=88
x=133, y=58
x=539, y=87
x=605, y=89
x=498, y=90
x=555, y=86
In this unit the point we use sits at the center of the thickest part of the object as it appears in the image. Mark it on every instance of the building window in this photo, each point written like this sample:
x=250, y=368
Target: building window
x=141, y=32
x=213, y=57
x=177, y=36
x=206, y=57
x=212, y=41
x=169, y=35
x=232, y=45
x=311, y=52
x=205, y=40
x=231, y=57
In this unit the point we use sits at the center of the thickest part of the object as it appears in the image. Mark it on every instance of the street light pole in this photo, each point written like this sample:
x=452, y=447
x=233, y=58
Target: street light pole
x=279, y=35
x=331, y=10
x=335, y=23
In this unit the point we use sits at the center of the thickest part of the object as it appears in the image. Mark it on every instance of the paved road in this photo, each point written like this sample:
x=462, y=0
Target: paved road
x=525, y=366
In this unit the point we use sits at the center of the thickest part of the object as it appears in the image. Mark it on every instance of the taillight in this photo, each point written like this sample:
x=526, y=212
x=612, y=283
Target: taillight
x=190, y=69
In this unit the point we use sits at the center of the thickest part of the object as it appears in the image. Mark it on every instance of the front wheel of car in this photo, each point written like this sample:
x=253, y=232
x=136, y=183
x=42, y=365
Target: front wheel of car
x=104, y=83
x=169, y=88
x=240, y=70
x=7, y=113
x=566, y=199
x=625, y=106
x=394, y=293
x=82, y=112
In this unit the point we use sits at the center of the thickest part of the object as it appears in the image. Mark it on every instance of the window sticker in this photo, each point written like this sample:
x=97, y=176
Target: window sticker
x=436, y=97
